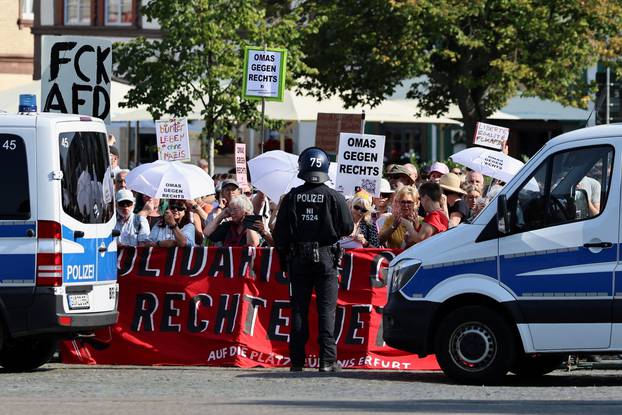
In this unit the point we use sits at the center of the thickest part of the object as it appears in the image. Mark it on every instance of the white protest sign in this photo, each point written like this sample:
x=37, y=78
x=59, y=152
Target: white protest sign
x=173, y=140
x=240, y=165
x=359, y=162
x=172, y=190
x=491, y=136
x=264, y=73
x=75, y=75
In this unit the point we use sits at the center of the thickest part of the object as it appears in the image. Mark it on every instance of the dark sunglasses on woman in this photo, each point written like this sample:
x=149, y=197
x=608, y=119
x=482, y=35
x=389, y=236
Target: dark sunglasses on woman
x=360, y=209
x=179, y=208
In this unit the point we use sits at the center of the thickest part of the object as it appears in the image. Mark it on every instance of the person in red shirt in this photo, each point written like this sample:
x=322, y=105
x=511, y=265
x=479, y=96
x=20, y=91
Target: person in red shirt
x=435, y=220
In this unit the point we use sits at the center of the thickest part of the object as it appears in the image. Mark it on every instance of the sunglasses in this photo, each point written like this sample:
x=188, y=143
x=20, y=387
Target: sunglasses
x=360, y=209
x=125, y=203
x=179, y=208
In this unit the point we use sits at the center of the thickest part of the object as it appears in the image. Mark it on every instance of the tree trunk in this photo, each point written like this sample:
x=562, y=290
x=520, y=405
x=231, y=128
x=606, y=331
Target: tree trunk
x=207, y=144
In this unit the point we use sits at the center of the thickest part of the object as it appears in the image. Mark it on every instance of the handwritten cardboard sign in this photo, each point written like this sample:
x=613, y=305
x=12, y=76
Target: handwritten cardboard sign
x=240, y=165
x=490, y=136
x=76, y=73
x=173, y=140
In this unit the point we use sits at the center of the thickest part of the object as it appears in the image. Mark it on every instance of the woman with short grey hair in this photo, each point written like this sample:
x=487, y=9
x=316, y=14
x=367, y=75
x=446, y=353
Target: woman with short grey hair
x=229, y=227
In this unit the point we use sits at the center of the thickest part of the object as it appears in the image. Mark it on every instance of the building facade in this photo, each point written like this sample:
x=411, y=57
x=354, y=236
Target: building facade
x=16, y=52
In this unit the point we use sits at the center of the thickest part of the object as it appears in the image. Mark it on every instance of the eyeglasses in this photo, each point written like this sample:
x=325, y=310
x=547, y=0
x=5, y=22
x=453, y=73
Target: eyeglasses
x=360, y=209
x=125, y=203
x=179, y=208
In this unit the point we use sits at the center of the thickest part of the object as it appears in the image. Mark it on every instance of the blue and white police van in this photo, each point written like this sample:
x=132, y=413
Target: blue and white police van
x=57, y=251
x=535, y=277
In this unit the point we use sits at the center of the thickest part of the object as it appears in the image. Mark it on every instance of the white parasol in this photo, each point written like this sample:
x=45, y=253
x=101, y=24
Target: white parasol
x=276, y=172
x=491, y=163
x=170, y=180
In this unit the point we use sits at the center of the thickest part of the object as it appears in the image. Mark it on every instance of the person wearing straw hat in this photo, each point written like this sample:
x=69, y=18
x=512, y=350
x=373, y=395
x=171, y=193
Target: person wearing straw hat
x=457, y=209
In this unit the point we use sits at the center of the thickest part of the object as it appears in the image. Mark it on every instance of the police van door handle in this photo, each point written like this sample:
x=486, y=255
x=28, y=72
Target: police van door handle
x=102, y=249
x=598, y=245
x=78, y=234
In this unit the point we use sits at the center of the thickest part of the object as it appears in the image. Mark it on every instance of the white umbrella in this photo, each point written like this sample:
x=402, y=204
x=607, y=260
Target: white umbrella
x=491, y=163
x=276, y=173
x=170, y=180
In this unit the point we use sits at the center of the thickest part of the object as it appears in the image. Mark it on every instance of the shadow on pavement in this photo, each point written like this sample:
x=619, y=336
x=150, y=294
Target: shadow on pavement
x=580, y=379
x=448, y=406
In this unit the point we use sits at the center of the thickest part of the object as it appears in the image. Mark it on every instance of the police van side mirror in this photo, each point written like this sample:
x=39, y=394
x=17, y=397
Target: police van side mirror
x=503, y=215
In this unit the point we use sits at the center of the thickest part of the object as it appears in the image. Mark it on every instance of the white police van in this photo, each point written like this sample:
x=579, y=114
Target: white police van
x=536, y=276
x=57, y=252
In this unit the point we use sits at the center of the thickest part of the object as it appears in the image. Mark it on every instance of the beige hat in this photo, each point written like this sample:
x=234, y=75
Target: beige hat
x=451, y=182
x=385, y=187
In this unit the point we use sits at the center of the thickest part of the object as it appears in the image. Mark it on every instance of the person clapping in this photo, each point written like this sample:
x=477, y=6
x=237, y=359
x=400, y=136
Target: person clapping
x=175, y=228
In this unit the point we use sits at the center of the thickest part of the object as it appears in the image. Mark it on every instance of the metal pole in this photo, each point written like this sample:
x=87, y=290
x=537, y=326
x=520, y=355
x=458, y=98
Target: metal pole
x=362, y=122
x=263, y=114
x=607, y=95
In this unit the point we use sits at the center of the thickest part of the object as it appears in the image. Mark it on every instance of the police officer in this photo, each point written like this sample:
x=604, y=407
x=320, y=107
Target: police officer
x=310, y=221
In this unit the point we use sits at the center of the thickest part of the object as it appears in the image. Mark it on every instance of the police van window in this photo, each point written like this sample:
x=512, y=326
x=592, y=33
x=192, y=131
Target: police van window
x=569, y=186
x=14, y=168
x=86, y=184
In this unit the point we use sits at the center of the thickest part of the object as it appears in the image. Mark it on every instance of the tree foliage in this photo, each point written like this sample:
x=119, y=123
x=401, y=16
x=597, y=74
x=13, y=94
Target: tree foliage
x=199, y=58
x=476, y=54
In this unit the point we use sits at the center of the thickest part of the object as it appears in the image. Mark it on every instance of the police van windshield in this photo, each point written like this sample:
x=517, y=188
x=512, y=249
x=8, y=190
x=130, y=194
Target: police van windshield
x=86, y=184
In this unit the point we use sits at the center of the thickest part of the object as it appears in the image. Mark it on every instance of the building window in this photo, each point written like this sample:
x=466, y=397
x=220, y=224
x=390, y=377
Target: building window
x=119, y=12
x=26, y=10
x=77, y=12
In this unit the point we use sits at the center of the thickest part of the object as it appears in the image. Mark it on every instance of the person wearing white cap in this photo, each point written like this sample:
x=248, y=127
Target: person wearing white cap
x=134, y=228
x=437, y=169
x=382, y=204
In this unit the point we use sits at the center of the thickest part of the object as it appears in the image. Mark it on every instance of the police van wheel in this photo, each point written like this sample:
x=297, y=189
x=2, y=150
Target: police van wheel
x=475, y=345
x=535, y=366
x=27, y=353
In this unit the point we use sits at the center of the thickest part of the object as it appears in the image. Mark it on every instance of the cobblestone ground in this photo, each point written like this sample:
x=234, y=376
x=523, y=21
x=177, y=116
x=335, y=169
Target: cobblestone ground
x=72, y=389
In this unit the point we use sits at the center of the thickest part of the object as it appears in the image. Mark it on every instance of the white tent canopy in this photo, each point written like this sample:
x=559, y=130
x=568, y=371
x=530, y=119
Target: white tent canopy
x=305, y=108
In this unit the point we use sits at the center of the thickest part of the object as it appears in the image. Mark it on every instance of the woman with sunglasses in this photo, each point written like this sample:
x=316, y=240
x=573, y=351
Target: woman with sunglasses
x=175, y=228
x=395, y=228
x=365, y=234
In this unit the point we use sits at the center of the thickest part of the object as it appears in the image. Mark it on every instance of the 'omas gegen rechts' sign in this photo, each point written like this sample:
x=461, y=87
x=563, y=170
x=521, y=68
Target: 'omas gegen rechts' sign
x=75, y=75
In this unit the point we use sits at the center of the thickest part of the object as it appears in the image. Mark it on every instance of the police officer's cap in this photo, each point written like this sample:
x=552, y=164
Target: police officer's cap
x=313, y=165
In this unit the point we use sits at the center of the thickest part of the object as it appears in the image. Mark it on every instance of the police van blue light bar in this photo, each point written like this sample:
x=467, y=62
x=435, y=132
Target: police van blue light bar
x=27, y=103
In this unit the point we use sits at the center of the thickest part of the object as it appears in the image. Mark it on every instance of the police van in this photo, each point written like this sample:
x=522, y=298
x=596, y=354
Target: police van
x=57, y=252
x=535, y=277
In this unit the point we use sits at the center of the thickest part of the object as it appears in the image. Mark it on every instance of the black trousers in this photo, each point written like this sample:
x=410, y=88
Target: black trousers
x=305, y=276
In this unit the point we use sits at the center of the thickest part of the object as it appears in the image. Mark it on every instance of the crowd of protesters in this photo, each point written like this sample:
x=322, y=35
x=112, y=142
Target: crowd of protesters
x=412, y=206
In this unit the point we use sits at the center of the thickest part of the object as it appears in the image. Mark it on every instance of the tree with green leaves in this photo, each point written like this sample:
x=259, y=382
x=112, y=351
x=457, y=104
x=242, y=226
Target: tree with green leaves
x=476, y=54
x=199, y=59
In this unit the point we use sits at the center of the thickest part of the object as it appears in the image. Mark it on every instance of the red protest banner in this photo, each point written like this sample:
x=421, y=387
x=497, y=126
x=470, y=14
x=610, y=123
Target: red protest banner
x=230, y=307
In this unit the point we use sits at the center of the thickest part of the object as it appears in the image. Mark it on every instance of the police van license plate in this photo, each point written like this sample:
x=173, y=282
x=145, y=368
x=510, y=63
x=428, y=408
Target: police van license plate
x=78, y=301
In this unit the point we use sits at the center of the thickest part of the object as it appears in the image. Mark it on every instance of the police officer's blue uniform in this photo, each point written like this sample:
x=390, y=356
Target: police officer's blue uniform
x=311, y=219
